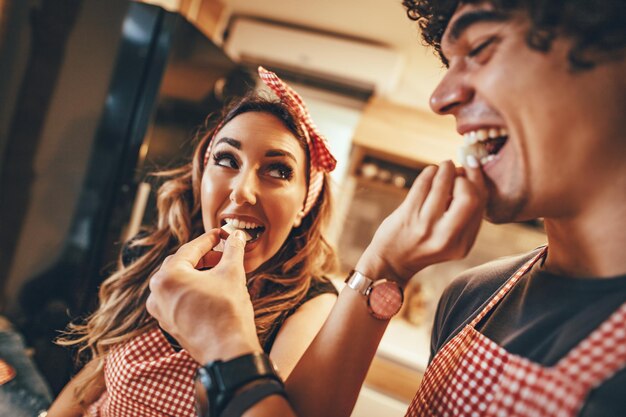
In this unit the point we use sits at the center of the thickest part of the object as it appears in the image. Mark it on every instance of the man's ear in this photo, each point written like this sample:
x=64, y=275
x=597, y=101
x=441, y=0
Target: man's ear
x=298, y=221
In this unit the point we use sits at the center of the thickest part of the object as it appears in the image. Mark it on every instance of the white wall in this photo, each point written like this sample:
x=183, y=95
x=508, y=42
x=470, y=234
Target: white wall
x=382, y=21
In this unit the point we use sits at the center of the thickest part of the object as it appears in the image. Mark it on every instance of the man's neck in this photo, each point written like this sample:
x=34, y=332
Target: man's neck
x=590, y=244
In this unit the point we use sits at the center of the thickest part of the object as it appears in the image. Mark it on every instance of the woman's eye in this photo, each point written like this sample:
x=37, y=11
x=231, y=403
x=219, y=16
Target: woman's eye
x=281, y=171
x=225, y=160
x=480, y=52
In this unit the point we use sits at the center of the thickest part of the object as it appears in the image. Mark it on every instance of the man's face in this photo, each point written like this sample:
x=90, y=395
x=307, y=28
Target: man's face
x=555, y=135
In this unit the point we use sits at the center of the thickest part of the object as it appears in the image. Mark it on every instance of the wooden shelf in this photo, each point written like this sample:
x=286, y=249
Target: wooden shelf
x=393, y=379
x=362, y=183
x=406, y=135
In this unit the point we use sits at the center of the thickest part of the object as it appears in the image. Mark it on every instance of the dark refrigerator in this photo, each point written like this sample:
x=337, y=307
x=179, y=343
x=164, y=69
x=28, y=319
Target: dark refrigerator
x=126, y=88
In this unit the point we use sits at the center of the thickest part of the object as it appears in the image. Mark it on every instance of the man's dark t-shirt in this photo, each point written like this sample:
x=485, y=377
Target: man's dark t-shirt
x=542, y=318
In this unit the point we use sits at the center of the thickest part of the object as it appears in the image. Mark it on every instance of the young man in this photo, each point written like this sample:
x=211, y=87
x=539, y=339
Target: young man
x=557, y=105
x=538, y=89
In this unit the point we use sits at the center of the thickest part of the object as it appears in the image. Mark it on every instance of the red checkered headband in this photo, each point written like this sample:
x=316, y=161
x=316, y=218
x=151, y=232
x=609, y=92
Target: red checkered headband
x=320, y=158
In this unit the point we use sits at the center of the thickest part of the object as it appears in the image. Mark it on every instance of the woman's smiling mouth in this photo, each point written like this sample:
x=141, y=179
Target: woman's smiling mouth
x=252, y=230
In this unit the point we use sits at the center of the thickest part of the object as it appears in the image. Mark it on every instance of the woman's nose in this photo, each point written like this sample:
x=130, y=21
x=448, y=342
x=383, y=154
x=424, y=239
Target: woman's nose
x=452, y=92
x=244, y=189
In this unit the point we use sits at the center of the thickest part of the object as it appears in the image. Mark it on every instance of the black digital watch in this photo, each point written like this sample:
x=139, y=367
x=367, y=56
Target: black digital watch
x=222, y=379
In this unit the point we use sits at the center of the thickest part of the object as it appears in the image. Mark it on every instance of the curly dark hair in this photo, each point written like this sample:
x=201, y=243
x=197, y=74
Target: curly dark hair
x=597, y=27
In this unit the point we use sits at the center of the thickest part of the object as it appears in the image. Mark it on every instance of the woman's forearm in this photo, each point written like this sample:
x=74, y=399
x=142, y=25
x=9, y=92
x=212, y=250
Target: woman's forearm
x=272, y=406
x=328, y=378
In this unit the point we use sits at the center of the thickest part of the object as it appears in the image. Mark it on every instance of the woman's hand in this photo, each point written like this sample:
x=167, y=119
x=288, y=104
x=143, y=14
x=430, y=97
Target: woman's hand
x=438, y=221
x=208, y=312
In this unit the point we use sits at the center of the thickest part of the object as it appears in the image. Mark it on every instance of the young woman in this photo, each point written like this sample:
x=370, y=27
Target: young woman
x=263, y=169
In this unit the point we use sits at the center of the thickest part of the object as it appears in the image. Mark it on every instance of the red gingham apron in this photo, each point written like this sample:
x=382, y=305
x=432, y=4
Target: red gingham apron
x=472, y=376
x=146, y=377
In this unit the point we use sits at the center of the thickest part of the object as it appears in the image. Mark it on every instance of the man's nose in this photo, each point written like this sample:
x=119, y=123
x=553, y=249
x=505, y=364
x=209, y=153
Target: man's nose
x=244, y=188
x=452, y=92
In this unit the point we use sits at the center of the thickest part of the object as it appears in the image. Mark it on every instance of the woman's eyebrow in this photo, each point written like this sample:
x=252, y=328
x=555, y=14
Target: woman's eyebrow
x=466, y=20
x=232, y=142
x=280, y=152
x=270, y=153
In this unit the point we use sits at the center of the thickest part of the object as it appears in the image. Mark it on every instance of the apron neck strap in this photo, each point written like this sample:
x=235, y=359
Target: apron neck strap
x=509, y=284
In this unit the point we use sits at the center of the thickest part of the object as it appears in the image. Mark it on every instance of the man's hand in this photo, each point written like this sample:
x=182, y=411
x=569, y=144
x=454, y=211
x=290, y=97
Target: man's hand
x=208, y=312
x=438, y=221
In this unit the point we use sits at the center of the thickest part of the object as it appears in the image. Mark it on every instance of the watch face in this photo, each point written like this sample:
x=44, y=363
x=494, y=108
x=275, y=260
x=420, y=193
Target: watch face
x=385, y=299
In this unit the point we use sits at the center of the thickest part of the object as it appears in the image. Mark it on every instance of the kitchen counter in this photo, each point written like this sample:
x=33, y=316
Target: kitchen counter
x=406, y=344
x=396, y=371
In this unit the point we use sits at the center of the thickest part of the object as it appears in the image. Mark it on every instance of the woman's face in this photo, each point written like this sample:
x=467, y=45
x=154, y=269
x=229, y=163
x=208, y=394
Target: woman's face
x=255, y=179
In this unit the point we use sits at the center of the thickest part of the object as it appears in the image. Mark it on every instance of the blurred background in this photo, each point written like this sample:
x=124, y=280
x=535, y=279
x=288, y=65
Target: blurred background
x=95, y=95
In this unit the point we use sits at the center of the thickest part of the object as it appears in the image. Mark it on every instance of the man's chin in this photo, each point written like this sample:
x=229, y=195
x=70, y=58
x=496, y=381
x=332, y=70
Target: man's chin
x=501, y=210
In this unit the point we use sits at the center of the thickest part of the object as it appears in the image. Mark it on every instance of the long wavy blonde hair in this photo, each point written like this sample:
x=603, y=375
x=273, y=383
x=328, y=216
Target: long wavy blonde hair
x=283, y=280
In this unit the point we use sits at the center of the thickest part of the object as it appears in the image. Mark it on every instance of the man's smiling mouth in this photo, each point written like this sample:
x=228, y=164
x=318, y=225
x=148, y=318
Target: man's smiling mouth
x=484, y=144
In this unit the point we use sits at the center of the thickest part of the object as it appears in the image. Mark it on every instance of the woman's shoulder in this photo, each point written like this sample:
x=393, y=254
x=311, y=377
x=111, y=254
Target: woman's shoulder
x=319, y=286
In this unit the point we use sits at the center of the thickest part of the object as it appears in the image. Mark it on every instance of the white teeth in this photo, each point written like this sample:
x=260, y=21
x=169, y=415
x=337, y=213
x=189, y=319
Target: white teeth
x=486, y=159
x=474, y=147
x=240, y=224
x=470, y=138
x=479, y=135
x=233, y=224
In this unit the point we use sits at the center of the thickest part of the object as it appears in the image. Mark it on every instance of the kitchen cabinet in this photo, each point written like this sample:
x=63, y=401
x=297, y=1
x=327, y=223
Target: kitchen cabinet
x=204, y=14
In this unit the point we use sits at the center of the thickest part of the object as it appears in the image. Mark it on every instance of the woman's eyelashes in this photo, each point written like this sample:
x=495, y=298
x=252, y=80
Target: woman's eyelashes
x=278, y=170
x=225, y=159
